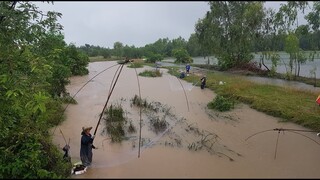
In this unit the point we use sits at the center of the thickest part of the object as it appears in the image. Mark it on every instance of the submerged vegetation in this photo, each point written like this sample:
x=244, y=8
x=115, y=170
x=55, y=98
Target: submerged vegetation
x=160, y=120
x=151, y=73
x=135, y=65
x=115, y=123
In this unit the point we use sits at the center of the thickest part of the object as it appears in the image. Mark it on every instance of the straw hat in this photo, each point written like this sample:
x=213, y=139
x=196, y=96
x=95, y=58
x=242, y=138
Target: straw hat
x=85, y=128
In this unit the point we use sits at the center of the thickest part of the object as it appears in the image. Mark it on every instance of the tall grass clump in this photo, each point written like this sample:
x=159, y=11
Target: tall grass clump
x=114, y=123
x=151, y=73
x=135, y=65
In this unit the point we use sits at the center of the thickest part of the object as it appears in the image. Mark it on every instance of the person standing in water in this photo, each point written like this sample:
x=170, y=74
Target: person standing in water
x=86, y=146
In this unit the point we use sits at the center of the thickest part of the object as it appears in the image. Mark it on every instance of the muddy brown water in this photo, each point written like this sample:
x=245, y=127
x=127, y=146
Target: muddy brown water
x=197, y=143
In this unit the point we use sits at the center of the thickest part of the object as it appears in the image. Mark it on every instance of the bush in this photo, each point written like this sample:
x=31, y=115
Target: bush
x=135, y=65
x=31, y=155
x=148, y=73
x=221, y=103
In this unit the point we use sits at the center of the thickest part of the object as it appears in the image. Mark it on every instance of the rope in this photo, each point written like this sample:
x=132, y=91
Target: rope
x=275, y=152
x=184, y=93
x=77, y=93
x=282, y=129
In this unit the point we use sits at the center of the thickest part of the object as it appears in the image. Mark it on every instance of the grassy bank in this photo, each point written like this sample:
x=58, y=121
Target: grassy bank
x=289, y=104
x=307, y=80
x=101, y=58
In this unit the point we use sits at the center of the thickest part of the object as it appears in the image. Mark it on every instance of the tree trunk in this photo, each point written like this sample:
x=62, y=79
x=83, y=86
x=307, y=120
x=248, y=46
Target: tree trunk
x=264, y=64
x=298, y=69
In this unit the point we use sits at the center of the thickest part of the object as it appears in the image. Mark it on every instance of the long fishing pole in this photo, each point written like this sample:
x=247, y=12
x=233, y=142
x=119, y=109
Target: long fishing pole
x=112, y=84
x=196, y=83
x=184, y=93
x=78, y=92
x=113, y=79
x=122, y=64
x=275, y=151
x=63, y=137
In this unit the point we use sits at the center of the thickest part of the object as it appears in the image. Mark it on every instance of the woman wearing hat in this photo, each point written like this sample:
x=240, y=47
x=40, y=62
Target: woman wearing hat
x=86, y=146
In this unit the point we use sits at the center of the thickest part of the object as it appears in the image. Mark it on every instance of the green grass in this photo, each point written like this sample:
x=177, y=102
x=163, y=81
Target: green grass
x=152, y=73
x=135, y=65
x=291, y=105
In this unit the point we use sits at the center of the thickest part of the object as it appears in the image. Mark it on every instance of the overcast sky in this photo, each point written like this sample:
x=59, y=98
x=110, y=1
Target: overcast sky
x=131, y=22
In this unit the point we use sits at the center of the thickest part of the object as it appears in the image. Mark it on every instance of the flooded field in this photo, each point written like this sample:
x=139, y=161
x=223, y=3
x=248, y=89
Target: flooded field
x=196, y=143
x=306, y=68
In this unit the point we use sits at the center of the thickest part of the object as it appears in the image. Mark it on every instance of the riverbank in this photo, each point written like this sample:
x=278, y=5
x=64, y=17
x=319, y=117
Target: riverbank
x=311, y=81
x=291, y=105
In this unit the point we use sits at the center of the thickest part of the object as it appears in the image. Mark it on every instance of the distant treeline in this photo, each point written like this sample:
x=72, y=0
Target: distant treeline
x=156, y=51
x=164, y=47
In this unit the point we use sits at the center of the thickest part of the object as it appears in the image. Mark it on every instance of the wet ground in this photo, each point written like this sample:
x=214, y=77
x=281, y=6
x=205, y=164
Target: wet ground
x=197, y=143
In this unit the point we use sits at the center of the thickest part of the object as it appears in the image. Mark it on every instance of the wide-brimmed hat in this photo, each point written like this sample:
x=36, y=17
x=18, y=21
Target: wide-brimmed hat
x=86, y=128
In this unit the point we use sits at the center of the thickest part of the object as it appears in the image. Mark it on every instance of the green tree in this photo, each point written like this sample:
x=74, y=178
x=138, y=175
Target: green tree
x=193, y=45
x=32, y=50
x=285, y=20
x=182, y=56
x=303, y=35
x=313, y=19
x=204, y=35
x=118, y=48
x=230, y=27
x=77, y=61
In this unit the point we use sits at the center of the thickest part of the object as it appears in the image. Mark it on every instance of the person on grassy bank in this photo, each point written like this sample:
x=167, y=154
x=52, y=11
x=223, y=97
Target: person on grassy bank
x=203, y=82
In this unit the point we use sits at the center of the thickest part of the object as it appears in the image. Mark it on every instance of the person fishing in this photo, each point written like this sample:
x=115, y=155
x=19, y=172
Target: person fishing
x=182, y=74
x=187, y=68
x=66, y=156
x=203, y=82
x=86, y=146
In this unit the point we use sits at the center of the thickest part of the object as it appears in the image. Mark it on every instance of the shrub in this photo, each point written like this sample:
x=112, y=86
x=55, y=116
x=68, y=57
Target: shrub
x=148, y=73
x=221, y=103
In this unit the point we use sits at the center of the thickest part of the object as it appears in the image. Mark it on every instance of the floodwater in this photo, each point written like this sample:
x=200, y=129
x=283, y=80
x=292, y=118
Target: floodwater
x=306, y=69
x=197, y=143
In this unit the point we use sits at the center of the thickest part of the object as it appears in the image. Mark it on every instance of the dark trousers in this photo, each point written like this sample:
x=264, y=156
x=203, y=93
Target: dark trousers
x=203, y=85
